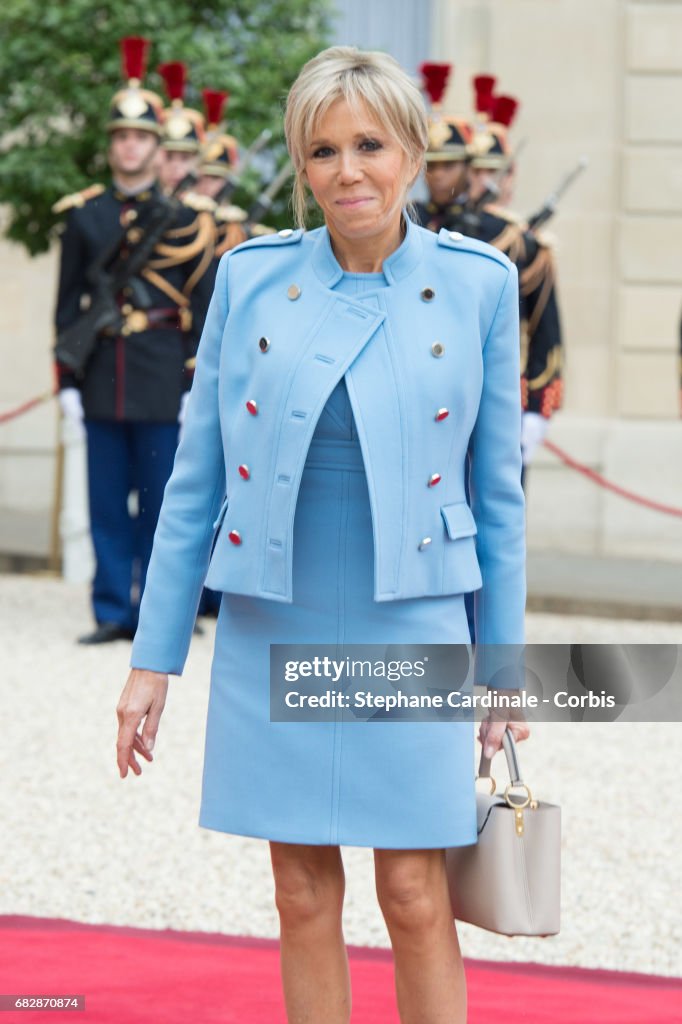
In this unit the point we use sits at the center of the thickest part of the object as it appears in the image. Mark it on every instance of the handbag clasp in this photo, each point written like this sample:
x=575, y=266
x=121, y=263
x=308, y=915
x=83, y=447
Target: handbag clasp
x=518, y=807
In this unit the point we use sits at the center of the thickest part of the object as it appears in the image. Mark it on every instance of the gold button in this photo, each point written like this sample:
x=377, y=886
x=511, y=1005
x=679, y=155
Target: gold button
x=264, y=344
x=293, y=291
x=126, y=308
x=437, y=349
x=285, y=233
x=428, y=294
x=424, y=543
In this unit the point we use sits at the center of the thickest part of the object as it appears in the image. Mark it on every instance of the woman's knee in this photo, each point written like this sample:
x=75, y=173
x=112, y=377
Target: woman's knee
x=411, y=889
x=309, y=882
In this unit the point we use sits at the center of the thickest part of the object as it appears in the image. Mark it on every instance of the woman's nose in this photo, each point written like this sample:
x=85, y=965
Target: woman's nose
x=349, y=168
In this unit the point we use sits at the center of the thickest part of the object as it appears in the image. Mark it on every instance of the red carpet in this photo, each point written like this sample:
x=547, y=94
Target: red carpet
x=135, y=976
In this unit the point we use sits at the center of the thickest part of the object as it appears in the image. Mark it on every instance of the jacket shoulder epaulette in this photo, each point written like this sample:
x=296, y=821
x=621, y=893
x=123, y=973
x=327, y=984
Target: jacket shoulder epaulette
x=287, y=236
x=198, y=203
x=77, y=199
x=228, y=213
x=463, y=243
x=545, y=239
x=506, y=215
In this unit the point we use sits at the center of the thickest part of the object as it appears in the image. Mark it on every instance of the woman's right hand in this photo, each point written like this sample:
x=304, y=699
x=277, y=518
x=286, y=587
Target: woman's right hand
x=143, y=696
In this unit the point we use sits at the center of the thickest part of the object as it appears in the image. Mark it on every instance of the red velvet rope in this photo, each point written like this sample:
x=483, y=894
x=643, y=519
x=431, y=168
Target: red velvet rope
x=601, y=481
x=567, y=459
x=12, y=414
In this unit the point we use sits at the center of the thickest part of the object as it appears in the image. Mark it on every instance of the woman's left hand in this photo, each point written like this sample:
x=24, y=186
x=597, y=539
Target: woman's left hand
x=495, y=724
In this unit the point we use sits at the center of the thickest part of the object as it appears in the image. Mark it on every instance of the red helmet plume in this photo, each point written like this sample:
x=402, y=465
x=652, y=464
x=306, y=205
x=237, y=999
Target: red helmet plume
x=174, y=75
x=214, y=105
x=483, y=88
x=435, y=77
x=504, y=110
x=134, y=52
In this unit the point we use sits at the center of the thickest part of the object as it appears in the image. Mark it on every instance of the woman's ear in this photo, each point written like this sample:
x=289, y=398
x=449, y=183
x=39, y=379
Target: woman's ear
x=415, y=168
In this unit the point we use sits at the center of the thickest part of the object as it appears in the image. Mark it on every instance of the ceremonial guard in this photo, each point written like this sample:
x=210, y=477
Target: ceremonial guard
x=461, y=163
x=133, y=295
x=541, y=345
x=220, y=174
x=447, y=157
x=182, y=130
x=217, y=171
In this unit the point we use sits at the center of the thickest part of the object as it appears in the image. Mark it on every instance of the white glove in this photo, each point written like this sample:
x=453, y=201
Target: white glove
x=182, y=411
x=73, y=428
x=184, y=398
x=71, y=404
x=533, y=430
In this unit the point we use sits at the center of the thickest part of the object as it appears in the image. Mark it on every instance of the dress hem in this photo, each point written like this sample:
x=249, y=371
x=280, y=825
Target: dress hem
x=307, y=840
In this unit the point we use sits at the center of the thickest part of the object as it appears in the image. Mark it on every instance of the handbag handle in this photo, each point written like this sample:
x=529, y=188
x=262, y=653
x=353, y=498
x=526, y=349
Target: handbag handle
x=509, y=747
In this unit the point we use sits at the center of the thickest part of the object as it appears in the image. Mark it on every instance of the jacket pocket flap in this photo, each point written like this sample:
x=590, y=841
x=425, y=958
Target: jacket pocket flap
x=221, y=514
x=459, y=520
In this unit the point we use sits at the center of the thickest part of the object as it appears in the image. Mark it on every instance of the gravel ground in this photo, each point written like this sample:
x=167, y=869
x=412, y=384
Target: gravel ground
x=80, y=843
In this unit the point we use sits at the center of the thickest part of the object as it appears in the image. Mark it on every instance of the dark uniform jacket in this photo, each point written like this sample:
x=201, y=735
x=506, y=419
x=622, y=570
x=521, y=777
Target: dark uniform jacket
x=541, y=347
x=232, y=227
x=140, y=374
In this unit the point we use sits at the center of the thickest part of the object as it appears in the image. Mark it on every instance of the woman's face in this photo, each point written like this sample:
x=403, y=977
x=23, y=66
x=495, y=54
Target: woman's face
x=358, y=173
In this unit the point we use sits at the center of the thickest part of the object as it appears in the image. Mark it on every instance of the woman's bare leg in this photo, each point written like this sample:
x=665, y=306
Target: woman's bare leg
x=413, y=895
x=309, y=891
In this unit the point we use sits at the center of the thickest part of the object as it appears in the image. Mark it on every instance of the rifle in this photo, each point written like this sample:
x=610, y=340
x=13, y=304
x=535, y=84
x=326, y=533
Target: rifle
x=264, y=202
x=109, y=274
x=549, y=207
x=233, y=181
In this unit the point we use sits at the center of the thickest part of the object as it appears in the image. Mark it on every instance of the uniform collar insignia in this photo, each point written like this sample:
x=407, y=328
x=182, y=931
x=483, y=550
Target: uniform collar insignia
x=136, y=197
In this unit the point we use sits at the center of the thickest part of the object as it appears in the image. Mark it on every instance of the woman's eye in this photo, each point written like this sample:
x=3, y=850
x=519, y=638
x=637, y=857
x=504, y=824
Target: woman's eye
x=370, y=144
x=321, y=151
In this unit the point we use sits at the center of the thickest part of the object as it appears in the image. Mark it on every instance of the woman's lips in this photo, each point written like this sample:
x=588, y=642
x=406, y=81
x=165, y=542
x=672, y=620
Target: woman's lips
x=359, y=201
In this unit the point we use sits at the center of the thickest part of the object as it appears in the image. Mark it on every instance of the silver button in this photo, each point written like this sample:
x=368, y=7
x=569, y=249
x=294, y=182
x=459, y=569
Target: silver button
x=264, y=344
x=437, y=349
x=428, y=294
x=285, y=233
x=424, y=543
x=293, y=292
x=456, y=236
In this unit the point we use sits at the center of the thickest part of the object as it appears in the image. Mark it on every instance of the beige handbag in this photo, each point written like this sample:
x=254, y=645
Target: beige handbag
x=509, y=881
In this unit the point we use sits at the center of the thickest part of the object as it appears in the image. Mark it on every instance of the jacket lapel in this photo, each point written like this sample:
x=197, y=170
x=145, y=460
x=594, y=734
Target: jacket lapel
x=330, y=346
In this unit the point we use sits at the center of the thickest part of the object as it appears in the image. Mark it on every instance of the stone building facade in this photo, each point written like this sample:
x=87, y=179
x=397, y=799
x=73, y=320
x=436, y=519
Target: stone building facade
x=600, y=79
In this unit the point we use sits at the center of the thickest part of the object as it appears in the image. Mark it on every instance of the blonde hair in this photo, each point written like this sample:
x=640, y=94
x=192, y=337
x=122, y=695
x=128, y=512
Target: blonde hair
x=366, y=78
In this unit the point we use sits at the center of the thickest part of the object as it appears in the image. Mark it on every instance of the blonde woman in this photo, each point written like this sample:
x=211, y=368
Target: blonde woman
x=345, y=379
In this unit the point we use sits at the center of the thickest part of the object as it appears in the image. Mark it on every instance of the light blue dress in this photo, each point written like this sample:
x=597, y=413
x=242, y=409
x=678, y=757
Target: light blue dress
x=392, y=784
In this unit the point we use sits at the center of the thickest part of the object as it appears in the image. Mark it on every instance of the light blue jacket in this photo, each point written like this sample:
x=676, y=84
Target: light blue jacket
x=431, y=364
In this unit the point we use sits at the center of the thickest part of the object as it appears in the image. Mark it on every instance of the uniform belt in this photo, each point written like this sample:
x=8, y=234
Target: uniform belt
x=158, y=318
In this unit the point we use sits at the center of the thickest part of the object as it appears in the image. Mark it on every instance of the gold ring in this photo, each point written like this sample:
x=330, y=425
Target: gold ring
x=513, y=803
